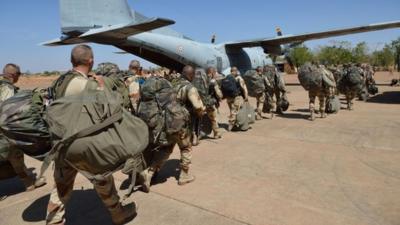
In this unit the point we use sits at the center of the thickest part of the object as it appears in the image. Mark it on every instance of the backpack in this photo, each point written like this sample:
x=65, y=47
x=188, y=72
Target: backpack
x=254, y=82
x=22, y=123
x=6, y=170
x=230, y=87
x=310, y=77
x=114, y=83
x=333, y=105
x=202, y=84
x=354, y=76
x=283, y=104
x=161, y=111
x=94, y=134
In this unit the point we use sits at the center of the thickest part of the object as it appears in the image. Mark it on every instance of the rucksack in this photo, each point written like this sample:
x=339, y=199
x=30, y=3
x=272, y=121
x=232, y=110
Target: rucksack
x=333, y=104
x=202, y=84
x=310, y=77
x=230, y=87
x=283, y=104
x=354, y=76
x=21, y=121
x=94, y=134
x=161, y=111
x=116, y=84
x=254, y=82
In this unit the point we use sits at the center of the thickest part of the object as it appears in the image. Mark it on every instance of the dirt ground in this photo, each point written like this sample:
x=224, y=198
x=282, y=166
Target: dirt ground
x=287, y=171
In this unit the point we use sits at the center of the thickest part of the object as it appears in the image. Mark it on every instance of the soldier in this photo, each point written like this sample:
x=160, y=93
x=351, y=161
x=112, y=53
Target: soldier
x=215, y=93
x=275, y=86
x=260, y=98
x=236, y=102
x=15, y=156
x=189, y=97
x=134, y=81
x=71, y=83
x=323, y=94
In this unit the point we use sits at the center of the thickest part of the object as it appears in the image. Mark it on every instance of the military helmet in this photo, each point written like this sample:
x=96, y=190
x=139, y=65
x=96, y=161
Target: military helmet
x=107, y=69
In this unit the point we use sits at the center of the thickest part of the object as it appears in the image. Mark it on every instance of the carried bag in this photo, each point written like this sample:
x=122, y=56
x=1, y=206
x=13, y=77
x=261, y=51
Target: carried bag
x=230, y=87
x=94, y=134
x=283, y=103
x=116, y=84
x=22, y=123
x=254, y=82
x=333, y=105
x=202, y=84
x=245, y=117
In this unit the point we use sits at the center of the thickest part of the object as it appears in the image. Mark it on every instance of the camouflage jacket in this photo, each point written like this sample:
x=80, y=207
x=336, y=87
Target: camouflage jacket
x=188, y=96
x=7, y=89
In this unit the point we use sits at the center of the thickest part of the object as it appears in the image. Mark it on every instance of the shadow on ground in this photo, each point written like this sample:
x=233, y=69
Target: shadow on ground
x=169, y=170
x=389, y=97
x=13, y=186
x=84, y=208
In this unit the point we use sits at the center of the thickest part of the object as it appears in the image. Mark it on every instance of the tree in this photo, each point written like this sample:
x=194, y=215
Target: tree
x=360, y=53
x=396, y=50
x=339, y=53
x=383, y=58
x=300, y=55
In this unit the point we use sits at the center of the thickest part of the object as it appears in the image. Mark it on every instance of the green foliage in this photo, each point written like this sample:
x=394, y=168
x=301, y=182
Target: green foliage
x=360, y=53
x=383, y=58
x=300, y=55
x=339, y=53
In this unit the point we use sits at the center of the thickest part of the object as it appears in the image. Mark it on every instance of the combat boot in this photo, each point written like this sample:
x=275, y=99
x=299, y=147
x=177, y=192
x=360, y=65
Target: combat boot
x=195, y=139
x=312, y=116
x=145, y=178
x=323, y=115
x=217, y=134
x=123, y=214
x=185, y=177
x=230, y=127
x=258, y=117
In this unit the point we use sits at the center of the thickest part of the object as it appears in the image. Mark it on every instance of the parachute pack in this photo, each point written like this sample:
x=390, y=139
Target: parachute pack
x=22, y=123
x=312, y=77
x=254, y=82
x=161, y=111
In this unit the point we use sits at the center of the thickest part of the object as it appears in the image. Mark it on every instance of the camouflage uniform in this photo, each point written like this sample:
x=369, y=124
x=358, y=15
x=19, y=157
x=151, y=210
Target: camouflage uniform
x=64, y=174
x=275, y=87
x=212, y=111
x=236, y=103
x=12, y=154
x=188, y=96
x=323, y=94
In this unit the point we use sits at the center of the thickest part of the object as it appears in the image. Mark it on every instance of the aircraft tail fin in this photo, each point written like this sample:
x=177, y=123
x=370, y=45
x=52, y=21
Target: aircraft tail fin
x=79, y=16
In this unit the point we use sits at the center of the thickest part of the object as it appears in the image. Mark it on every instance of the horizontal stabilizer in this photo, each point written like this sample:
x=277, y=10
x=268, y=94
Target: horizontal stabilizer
x=113, y=33
x=288, y=39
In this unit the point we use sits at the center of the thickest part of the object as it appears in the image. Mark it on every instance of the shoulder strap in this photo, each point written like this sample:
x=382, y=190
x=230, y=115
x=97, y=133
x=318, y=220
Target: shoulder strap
x=60, y=85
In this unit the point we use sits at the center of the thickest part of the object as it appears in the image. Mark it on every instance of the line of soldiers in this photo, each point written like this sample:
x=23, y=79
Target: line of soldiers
x=81, y=75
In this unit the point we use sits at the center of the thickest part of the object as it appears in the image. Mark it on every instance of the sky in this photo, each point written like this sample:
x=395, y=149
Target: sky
x=26, y=23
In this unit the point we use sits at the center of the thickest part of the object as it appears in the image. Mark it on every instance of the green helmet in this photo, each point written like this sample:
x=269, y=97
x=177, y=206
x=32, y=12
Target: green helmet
x=107, y=69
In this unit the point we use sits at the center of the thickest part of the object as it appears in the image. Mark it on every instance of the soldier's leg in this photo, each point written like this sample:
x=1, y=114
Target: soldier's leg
x=212, y=115
x=185, y=147
x=64, y=178
x=260, y=103
x=311, y=96
x=322, y=104
x=278, y=100
x=109, y=195
x=349, y=101
x=16, y=159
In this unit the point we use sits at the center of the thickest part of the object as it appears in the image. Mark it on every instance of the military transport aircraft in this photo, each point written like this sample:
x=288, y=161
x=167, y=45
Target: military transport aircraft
x=112, y=22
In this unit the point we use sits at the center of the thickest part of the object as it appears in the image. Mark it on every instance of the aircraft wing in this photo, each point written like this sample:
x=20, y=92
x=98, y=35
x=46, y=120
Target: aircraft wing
x=288, y=39
x=112, y=33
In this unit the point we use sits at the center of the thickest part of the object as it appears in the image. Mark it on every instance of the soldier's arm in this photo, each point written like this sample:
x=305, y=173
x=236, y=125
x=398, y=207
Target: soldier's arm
x=244, y=88
x=6, y=93
x=217, y=89
x=194, y=98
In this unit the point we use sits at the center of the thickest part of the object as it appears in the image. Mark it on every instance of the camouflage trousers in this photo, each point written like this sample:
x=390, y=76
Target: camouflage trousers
x=234, y=106
x=269, y=98
x=64, y=177
x=212, y=115
x=160, y=156
x=16, y=159
x=350, y=95
x=322, y=96
x=260, y=98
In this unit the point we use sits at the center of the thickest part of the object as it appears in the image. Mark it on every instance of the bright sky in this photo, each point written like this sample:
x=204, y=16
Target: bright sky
x=26, y=23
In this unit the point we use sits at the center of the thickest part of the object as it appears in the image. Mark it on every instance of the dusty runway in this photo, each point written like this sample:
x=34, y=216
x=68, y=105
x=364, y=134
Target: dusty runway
x=287, y=171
